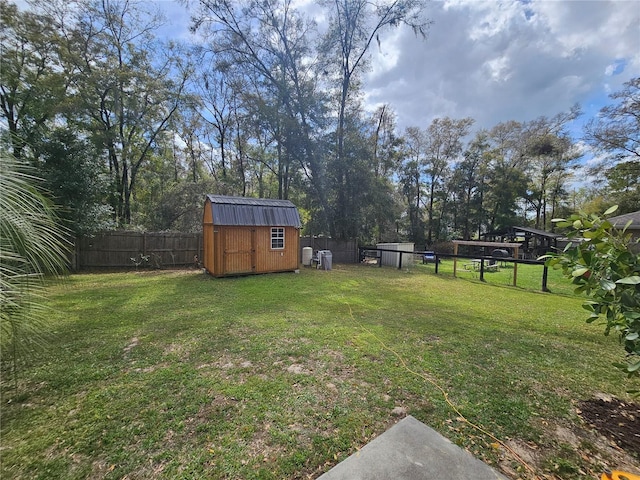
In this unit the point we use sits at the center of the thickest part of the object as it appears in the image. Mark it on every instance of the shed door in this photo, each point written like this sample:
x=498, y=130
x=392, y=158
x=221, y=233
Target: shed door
x=238, y=250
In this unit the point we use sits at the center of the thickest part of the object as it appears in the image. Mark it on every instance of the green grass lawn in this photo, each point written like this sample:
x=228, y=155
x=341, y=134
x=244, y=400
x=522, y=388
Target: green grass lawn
x=180, y=375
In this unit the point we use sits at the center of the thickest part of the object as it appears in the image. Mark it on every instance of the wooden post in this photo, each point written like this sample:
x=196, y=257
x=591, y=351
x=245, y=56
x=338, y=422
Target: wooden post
x=515, y=267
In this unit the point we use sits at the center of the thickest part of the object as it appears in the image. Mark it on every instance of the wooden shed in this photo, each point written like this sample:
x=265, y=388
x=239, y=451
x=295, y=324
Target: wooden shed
x=243, y=235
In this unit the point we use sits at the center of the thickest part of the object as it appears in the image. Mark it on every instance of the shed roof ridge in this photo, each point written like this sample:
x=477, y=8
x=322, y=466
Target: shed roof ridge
x=235, y=200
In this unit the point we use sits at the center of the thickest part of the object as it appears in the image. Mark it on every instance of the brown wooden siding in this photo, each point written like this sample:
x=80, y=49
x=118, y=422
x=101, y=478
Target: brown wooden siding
x=241, y=250
x=208, y=242
x=237, y=248
x=268, y=260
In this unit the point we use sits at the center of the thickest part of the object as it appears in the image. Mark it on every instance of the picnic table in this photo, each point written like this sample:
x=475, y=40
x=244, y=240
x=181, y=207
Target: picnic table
x=476, y=264
x=473, y=265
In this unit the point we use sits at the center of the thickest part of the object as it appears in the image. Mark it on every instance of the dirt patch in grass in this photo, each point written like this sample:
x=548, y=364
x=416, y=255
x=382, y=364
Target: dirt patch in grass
x=132, y=344
x=617, y=420
x=608, y=440
x=569, y=451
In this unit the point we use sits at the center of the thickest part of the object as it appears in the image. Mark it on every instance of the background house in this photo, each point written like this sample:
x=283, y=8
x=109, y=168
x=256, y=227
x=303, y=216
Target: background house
x=621, y=221
x=244, y=235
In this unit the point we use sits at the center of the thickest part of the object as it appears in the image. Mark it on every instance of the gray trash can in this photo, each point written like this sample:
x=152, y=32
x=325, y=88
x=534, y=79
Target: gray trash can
x=325, y=259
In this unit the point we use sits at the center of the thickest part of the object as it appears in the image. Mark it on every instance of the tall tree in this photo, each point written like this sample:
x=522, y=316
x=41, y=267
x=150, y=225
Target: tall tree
x=616, y=130
x=506, y=181
x=267, y=46
x=32, y=87
x=353, y=26
x=385, y=206
x=615, y=134
x=411, y=184
x=385, y=141
x=551, y=155
x=34, y=99
x=126, y=88
x=443, y=140
x=624, y=185
x=189, y=128
x=75, y=177
x=468, y=184
x=216, y=102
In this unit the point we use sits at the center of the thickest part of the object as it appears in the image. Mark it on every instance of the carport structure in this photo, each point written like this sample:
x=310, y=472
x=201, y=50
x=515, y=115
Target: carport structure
x=487, y=245
x=534, y=242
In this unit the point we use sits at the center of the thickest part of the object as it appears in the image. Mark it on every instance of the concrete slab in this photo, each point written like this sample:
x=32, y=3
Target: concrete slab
x=411, y=451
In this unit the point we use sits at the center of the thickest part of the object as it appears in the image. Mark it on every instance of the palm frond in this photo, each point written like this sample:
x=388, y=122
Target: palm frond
x=32, y=246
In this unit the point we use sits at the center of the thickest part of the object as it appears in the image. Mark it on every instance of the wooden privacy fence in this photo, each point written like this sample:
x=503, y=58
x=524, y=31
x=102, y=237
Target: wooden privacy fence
x=137, y=249
x=342, y=251
x=120, y=249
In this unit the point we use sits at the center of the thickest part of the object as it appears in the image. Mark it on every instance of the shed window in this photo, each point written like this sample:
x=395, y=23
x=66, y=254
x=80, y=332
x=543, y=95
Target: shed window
x=277, y=238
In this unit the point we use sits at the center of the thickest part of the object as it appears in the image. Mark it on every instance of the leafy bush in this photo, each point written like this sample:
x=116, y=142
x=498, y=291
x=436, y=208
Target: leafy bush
x=601, y=263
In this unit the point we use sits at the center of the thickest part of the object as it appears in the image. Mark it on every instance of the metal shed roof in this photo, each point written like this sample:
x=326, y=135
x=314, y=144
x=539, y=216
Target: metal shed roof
x=510, y=231
x=478, y=243
x=264, y=212
x=535, y=231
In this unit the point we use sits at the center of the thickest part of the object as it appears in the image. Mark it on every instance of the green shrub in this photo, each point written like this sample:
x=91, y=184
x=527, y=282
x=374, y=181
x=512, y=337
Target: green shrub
x=602, y=265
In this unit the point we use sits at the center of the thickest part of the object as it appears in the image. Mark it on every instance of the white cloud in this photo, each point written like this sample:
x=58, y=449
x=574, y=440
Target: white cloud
x=387, y=55
x=507, y=60
x=498, y=69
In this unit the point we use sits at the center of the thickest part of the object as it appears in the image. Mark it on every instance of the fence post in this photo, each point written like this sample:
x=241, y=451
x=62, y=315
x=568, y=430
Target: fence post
x=455, y=258
x=545, y=272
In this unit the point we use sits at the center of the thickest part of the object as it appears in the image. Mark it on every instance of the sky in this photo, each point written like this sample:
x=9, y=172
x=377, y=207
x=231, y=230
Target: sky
x=491, y=60
x=497, y=60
